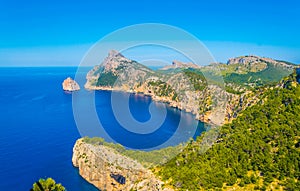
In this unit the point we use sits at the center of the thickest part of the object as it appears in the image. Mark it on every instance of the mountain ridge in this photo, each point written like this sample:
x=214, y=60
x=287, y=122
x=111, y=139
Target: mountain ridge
x=191, y=88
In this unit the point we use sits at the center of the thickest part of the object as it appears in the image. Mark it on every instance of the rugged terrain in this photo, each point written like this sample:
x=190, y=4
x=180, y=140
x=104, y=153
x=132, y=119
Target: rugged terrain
x=215, y=93
x=107, y=169
x=257, y=148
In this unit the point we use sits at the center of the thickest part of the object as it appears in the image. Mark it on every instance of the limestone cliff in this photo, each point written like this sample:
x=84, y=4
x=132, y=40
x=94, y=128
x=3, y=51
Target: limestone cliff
x=215, y=93
x=253, y=61
x=177, y=64
x=182, y=89
x=105, y=168
x=70, y=85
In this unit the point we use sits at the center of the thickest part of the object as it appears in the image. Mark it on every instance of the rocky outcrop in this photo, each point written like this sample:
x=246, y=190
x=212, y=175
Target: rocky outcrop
x=117, y=72
x=176, y=88
x=255, y=60
x=182, y=85
x=177, y=64
x=107, y=169
x=70, y=85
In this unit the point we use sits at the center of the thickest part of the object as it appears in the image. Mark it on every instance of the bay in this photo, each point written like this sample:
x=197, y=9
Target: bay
x=38, y=129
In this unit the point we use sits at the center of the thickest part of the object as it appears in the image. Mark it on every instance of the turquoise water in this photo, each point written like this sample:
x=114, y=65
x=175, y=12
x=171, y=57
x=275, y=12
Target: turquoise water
x=38, y=130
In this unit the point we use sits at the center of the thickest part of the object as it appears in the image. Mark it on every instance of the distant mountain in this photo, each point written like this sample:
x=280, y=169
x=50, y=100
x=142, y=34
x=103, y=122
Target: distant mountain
x=254, y=70
x=247, y=72
x=177, y=64
x=180, y=86
x=187, y=86
x=256, y=60
x=116, y=66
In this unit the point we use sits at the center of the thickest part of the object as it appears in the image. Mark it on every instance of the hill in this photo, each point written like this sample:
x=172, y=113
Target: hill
x=257, y=151
x=248, y=72
x=215, y=93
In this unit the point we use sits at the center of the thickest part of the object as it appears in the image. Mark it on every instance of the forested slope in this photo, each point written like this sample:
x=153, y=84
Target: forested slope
x=258, y=151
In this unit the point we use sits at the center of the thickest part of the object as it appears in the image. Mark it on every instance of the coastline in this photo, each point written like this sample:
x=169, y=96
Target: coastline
x=202, y=118
x=99, y=165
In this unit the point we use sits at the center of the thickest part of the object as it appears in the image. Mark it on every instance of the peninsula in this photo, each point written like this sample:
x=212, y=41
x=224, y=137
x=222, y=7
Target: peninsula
x=214, y=94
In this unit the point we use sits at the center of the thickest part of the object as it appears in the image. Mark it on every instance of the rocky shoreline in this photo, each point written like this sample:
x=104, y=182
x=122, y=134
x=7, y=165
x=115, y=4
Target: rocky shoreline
x=107, y=169
x=185, y=90
x=203, y=118
x=215, y=117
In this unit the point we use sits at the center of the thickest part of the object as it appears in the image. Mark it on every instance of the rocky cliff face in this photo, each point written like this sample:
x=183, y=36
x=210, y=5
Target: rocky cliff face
x=181, y=89
x=177, y=64
x=117, y=72
x=70, y=85
x=105, y=168
x=253, y=61
x=183, y=85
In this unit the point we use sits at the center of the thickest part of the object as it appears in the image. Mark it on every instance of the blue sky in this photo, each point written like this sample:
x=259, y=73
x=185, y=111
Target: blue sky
x=60, y=32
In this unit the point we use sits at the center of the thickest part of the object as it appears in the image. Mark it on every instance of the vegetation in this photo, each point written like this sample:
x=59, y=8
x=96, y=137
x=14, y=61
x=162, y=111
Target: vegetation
x=233, y=91
x=270, y=75
x=196, y=78
x=147, y=158
x=47, y=185
x=259, y=150
x=107, y=79
x=162, y=89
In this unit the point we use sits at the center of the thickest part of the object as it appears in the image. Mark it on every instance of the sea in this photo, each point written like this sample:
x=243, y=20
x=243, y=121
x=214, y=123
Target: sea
x=38, y=127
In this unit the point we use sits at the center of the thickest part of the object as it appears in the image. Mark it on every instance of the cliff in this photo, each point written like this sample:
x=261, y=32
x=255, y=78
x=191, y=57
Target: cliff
x=185, y=85
x=253, y=60
x=107, y=169
x=182, y=89
x=70, y=85
x=177, y=64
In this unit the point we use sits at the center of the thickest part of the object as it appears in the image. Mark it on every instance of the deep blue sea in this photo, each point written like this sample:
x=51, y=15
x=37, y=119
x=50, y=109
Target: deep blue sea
x=38, y=129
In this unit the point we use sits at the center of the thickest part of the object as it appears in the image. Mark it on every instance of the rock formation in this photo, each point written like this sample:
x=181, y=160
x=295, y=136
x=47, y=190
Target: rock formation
x=178, y=64
x=70, y=85
x=254, y=60
x=119, y=73
x=182, y=86
x=107, y=169
x=185, y=85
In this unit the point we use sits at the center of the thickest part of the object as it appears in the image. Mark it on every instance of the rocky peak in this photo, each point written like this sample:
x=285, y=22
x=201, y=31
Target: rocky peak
x=114, y=54
x=114, y=60
x=178, y=64
x=244, y=60
x=254, y=60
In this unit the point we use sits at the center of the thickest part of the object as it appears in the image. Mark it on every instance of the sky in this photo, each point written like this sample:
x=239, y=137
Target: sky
x=59, y=33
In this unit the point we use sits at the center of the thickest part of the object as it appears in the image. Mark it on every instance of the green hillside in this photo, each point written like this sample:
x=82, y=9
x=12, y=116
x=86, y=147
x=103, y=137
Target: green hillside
x=257, y=151
x=267, y=76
